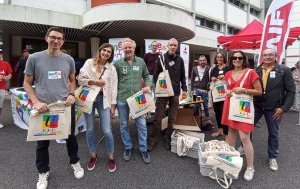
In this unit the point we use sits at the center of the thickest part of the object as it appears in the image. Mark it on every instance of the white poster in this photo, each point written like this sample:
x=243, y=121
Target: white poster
x=117, y=43
x=185, y=54
x=162, y=45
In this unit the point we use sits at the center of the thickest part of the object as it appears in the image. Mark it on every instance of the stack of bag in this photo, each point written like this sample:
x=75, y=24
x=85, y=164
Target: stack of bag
x=186, y=143
x=219, y=161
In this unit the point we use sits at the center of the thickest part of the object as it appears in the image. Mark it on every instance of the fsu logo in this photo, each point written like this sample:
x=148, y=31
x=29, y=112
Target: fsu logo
x=244, y=106
x=140, y=100
x=220, y=89
x=83, y=94
x=162, y=84
x=50, y=121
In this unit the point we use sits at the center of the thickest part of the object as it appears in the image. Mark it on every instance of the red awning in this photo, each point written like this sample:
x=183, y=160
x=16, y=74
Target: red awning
x=250, y=37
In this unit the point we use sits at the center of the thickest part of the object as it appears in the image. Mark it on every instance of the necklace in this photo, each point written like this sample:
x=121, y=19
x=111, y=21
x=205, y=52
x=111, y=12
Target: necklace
x=239, y=71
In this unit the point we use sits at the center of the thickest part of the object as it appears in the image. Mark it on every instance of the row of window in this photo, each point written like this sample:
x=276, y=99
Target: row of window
x=214, y=25
x=208, y=23
x=241, y=5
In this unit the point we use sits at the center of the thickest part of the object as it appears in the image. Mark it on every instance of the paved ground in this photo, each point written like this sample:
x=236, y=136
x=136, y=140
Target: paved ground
x=167, y=170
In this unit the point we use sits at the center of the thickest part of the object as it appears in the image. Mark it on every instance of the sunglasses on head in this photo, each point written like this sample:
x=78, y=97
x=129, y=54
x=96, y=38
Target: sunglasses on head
x=239, y=58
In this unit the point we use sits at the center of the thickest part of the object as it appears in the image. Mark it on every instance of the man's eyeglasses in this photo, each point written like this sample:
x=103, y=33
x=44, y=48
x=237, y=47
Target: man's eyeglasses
x=239, y=58
x=268, y=55
x=53, y=38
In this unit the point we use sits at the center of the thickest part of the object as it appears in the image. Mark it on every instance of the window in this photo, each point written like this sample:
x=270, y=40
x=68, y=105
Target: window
x=232, y=30
x=237, y=3
x=208, y=23
x=254, y=12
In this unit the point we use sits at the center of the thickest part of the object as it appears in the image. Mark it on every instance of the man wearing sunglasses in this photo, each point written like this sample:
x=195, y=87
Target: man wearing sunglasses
x=53, y=73
x=277, y=98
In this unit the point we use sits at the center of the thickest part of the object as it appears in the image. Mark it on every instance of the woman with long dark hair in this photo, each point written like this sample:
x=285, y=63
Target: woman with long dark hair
x=100, y=72
x=251, y=86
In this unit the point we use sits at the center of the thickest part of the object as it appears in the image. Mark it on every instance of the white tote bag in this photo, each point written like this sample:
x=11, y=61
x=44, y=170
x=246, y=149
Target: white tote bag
x=218, y=90
x=140, y=103
x=85, y=97
x=163, y=85
x=241, y=106
x=51, y=125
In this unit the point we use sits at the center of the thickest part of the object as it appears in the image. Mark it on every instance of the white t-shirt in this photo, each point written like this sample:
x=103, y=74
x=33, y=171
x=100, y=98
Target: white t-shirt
x=201, y=71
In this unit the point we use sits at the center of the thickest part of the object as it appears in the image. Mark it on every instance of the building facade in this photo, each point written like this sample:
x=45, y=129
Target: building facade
x=89, y=23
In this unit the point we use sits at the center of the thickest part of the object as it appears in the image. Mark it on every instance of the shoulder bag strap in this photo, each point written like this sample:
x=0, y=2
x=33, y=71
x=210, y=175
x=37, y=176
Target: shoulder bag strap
x=245, y=76
x=162, y=60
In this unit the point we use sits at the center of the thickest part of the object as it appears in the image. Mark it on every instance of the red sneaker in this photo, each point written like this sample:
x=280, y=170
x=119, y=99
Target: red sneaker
x=91, y=164
x=112, y=166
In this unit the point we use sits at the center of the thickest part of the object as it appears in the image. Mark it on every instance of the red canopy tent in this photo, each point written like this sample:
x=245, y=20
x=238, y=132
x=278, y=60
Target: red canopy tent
x=250, y=37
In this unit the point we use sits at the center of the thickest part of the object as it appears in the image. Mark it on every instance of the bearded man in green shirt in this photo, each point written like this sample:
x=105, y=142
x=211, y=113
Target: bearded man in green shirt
x=131, y=70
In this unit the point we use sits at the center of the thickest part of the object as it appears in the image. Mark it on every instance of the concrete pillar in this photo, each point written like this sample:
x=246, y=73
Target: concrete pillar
x=212, y=55
x=82, y=50
x=6, y=47
x=95, y=42
x=16, y=45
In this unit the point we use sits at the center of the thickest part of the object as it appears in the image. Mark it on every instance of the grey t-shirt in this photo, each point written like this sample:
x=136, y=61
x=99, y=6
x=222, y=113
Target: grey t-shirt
x=51, y=75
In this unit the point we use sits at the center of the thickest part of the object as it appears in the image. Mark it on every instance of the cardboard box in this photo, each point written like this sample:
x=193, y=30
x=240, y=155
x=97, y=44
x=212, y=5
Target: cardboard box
x=185, y=120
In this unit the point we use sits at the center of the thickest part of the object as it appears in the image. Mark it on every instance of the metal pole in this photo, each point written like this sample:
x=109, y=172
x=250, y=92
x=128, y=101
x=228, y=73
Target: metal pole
x=296, y=90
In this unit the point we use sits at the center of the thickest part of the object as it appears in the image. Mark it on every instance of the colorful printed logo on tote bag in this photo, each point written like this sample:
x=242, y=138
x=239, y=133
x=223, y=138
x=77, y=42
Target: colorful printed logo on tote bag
x=50, y=121
x=140, y=100
x=141, y=103
x=162, y=84
x=83, y=94
x=244, y=106
x=49, y=125
x=221, y=89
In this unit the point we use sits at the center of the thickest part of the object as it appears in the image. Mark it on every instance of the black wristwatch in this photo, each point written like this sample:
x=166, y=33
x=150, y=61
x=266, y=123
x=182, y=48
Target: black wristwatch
x=73, y=94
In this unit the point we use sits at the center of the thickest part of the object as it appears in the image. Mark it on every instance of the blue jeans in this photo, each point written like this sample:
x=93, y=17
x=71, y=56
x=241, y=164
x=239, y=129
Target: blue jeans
x=273, y=129
x=140, y=123
x=204, y=96
x=104, y=124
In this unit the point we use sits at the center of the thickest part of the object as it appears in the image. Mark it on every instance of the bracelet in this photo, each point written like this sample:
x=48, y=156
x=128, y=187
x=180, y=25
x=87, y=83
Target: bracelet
x=72, y=94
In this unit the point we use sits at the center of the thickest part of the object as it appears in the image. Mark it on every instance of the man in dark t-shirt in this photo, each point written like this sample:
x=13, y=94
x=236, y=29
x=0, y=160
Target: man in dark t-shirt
x=151, y=58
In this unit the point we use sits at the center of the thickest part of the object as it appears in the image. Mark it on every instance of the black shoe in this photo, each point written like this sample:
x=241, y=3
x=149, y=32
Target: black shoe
x=167, y=144
x=151, y=146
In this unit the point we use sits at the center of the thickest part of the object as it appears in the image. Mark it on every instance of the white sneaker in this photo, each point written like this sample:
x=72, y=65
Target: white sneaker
x=241, y=150
x=78, y=170
x=1, y=126
x=43, y=181
x=249, y=173
x=273, y=164
x=61, y=141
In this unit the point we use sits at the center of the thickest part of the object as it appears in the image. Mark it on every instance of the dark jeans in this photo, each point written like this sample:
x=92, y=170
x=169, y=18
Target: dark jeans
x=273, y=130
x=161, y=104
x=218, y=108
x=204, y=96
x=42, y=152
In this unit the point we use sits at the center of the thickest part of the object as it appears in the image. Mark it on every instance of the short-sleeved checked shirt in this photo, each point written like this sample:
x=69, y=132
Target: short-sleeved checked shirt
x=130, y=77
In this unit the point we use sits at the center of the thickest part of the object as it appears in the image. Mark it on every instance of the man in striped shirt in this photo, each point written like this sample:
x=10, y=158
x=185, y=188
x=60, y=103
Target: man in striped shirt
x=131, y=70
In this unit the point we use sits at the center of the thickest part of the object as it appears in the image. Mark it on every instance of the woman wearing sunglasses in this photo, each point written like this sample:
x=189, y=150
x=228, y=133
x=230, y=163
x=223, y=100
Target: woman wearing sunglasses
x=98, y=71
x=251, y=86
